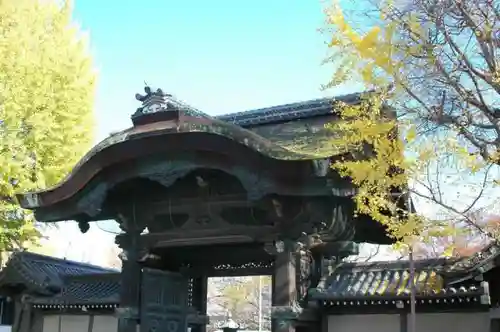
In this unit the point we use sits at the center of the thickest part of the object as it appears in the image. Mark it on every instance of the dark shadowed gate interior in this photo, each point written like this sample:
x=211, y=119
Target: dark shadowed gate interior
x=197, y=196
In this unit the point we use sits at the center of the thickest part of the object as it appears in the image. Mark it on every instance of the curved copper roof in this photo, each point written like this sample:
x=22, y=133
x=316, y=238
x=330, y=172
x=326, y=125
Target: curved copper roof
x=285, y=133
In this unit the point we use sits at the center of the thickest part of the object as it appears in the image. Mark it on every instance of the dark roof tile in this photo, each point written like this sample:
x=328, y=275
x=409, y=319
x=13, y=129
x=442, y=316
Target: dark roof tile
x=288, y=112
x=43, y=274
x=391, y=280
x=480, y=262
x=103, y=288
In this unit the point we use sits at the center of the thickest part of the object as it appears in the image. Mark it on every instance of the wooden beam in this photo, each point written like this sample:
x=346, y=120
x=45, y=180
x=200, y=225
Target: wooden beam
x=184, y=205
x=167, y=239
x=244, y=272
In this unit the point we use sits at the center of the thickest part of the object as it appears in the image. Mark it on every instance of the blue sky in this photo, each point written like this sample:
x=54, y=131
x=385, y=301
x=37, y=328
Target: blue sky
x=220, y=56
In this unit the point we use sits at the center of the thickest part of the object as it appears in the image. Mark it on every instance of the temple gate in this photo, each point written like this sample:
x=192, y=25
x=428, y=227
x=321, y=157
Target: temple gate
x=197, y=196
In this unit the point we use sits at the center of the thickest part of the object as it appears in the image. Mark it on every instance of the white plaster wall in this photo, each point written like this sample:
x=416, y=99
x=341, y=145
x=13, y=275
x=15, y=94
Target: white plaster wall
x=69, y=323
x=50, y=323
x=79, y=323
x=74, y=323
x=495, y=313
x=372, y=323
x=453, y=322
x=105, y=323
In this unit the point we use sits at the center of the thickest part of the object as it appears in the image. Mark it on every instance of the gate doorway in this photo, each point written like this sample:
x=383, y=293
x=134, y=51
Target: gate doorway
x=244, y=300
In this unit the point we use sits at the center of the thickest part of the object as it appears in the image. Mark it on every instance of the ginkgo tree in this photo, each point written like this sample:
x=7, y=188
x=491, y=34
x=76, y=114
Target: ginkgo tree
x=433, y=116
x=46, y=100
x=246, y=299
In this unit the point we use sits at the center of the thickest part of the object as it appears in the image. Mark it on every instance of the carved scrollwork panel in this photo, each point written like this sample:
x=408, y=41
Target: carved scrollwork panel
x=243, y=266
x=304, y=275
x=167, y=172
x=199, y=219
x=232, y=269
x=256, y=185
x=341, y=225
x=91, y=203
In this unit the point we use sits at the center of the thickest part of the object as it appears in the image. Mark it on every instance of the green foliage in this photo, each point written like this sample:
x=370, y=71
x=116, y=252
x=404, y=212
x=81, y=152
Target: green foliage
x=243, y=292
x=46, y=99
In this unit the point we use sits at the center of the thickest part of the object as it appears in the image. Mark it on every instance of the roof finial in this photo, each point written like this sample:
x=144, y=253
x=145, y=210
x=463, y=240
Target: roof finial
x=150, y=94
x=152, y=102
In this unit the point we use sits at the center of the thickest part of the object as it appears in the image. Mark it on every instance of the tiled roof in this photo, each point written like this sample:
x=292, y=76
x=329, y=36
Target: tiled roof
x=56, y=282
x=382, y=281
x=288, y=112
x=478, y=263
x=93, y=290
x=42, y=274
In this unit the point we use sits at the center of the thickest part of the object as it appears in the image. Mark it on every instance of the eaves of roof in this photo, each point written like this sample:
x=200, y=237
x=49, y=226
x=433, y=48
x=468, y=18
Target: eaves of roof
x=387, y=282
x=42, y=275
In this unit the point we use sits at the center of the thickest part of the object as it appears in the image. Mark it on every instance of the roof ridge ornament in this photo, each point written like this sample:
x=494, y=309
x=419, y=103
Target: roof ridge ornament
x=150, y=93
x=153, y=102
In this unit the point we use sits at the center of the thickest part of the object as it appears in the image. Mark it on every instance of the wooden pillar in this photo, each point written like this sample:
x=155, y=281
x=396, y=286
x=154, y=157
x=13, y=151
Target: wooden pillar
x=199, y=299
x=284, y=291
x=24, y=315
x=403, y=322
x=130, y=291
